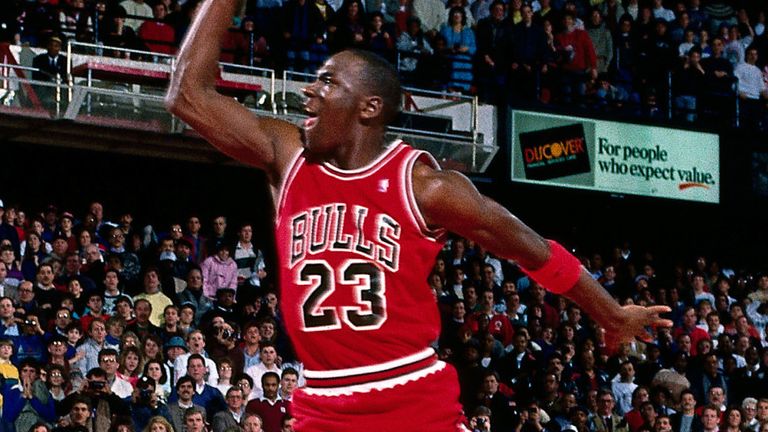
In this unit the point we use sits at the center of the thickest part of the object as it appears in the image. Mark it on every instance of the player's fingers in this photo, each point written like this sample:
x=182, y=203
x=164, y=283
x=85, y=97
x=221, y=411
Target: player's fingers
x=659, y=309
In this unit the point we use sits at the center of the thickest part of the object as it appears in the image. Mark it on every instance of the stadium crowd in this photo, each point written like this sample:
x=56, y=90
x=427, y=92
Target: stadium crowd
x=109, y=326
x=689, y=59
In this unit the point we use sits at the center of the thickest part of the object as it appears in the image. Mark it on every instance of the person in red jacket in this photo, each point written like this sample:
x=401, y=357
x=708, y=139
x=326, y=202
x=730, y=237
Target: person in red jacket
x=577, y=57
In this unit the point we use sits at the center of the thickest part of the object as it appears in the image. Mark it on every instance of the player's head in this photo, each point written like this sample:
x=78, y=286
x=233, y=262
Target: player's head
x=379, y=78
x=354, y=91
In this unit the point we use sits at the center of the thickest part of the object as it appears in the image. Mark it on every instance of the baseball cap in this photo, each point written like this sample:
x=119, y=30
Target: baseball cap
x=175, y=342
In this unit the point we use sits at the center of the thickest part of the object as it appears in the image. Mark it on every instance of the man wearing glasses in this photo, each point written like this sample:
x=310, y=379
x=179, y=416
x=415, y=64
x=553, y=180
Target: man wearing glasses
x=108, y=362
x=230, y=418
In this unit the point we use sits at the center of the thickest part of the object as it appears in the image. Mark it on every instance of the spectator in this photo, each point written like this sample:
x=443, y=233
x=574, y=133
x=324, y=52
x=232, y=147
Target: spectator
x=662, y=13
x=268, y=356
x=218, y=271
x=40, y=22
x=92, y=346
x=153, y=294
x=184, y=390
x=76, y=22
x=379, y=39
x=415, y=52
x=579, y=61
x=605, y=419
x=752, y=90
x=29, y=401
x=157, y=35
x=302, y=27
x=144, y=404
x=194, y=295
x=529, y=54
x=431, y=13
x=136, y=10
x=460, y=47
x=205, y=395
x=269, y=406
x=196, y=345
x=249, y=259
x=231, y=417
x=601, y=40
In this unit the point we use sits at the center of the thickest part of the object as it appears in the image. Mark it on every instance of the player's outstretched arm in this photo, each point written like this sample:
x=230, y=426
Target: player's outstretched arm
x=263, y=142
x=447, y=199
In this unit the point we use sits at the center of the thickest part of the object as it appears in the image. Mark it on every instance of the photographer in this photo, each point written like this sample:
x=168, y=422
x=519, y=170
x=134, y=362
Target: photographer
x=96, y=390
x=224, y=342
x=32, y=341
x=481, y=420
x=145, y=404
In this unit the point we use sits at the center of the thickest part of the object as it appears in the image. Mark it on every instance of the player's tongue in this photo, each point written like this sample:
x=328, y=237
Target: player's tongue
x=308, y=123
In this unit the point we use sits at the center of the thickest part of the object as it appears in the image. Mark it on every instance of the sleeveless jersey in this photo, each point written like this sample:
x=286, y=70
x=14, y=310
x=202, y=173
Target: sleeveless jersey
x=354, y=255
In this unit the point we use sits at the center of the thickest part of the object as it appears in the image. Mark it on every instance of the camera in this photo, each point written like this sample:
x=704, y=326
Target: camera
x=30, y=322
x=145, y=394
x=226, y=334
x=96, y=385
x=480, y=423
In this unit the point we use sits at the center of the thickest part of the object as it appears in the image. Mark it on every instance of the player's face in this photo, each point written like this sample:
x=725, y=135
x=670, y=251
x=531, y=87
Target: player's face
x=332, y=104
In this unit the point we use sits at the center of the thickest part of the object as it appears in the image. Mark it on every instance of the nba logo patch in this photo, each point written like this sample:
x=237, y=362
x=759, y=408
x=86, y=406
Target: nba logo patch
x=383, y=185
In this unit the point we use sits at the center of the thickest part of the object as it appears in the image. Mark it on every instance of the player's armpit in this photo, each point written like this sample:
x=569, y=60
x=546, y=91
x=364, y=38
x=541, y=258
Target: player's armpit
x=448, y=200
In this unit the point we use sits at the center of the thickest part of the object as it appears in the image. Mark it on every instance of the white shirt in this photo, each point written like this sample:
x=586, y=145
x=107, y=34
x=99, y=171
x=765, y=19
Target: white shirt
x=750, y=80
x=180, y=369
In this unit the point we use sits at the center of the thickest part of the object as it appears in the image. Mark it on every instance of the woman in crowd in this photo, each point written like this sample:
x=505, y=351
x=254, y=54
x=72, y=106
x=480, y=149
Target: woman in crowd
x=156, y=370
x=349, y=29
x=33, y=255
x=131, y=364
x=158, y=424
x=460, y=47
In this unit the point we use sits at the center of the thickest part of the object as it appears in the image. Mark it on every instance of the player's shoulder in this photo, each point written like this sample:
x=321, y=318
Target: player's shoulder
x=428, y=181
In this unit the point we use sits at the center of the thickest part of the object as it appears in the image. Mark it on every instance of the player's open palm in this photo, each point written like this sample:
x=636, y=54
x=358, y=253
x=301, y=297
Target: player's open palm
x=633, y=322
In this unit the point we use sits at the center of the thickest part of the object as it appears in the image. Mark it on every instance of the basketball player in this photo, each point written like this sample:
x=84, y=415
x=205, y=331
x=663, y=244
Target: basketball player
x=359, y=223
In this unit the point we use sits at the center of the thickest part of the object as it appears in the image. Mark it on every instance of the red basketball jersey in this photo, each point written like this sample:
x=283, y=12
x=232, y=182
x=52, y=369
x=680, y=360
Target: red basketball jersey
x=354, y=256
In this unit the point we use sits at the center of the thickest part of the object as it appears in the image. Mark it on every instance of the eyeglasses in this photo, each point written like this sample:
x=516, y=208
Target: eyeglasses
x=225, y=368
x=234, y=397
x=56, y=375
x=118, y=236
x=27, y=290
x=62, y=315
x=109, y=360
x=58, y=343
x=176, y=230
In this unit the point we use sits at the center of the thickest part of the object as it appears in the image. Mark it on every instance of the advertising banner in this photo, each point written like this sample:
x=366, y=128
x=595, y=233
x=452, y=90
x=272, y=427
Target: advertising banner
x=615, y=157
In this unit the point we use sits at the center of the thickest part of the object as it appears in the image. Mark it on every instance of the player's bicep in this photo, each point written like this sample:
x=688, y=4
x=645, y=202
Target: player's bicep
x=262, y=142
x=449, y=200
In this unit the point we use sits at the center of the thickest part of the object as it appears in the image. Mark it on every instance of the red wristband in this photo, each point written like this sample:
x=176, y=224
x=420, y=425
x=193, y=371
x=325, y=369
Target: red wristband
x=561, y=271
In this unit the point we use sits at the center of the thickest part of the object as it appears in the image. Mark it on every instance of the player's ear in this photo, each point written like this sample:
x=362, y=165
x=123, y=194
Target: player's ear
x=372, y=107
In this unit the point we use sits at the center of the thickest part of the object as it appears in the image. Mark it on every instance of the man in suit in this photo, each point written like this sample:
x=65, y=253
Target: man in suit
x=185, y=389
x=605, y=419
x=224, y=420
x=51, y=63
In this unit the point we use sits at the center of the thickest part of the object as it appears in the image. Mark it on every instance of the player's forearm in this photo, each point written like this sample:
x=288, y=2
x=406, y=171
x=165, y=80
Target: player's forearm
x=197, y=64
x=594, y=299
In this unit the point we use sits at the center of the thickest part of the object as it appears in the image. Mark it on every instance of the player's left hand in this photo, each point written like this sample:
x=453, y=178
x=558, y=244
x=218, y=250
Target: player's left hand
x=632, y=323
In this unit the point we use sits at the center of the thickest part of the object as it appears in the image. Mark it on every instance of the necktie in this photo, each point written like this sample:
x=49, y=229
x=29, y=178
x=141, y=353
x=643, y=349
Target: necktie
x=608, y=424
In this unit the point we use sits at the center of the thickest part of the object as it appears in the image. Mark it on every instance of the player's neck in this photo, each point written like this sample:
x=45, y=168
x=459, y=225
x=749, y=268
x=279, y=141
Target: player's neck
x=361, y=151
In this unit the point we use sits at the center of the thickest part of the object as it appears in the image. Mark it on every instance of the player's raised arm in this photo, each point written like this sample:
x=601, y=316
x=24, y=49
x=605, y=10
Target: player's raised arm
x=259, y=141
x=449, y=200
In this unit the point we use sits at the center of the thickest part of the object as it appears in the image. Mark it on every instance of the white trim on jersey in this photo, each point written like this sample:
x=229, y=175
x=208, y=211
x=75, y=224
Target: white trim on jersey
x=390, y=151
x=379, y=367
x=411, y=205
x=376, y=385
x=285, y=183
